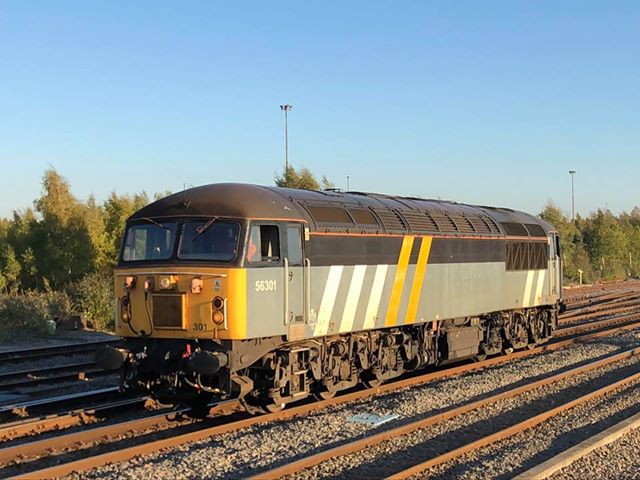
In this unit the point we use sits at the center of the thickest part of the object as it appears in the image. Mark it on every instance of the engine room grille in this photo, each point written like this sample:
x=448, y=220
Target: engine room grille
x=462, y=223
x=444, y=222
x=390, y=220
x=420, y=222
x=168, y=311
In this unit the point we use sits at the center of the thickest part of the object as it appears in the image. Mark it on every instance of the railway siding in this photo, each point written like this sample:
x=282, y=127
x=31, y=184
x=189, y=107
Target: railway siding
x=249, y=451
x=243, y=451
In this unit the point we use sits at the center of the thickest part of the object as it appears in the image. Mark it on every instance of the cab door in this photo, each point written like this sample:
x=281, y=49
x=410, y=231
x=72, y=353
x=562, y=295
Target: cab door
x=294, y=281
x=554, y=265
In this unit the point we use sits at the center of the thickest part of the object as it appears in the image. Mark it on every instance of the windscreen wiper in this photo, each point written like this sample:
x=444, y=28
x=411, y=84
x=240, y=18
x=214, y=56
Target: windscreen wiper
x=156, y=223
x=203, y=228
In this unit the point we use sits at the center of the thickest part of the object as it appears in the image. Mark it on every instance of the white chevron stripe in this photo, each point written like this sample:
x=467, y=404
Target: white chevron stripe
x=538, y=297
x=526, y=297
x=353, y=296
x=375, y=297
x=328, y=300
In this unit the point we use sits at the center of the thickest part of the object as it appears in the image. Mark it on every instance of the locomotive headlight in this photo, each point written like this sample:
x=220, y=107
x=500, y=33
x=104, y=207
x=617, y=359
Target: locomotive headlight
x=217, y=314
x=218, y=303
x=166, y=283
x=218, y=318
x=148, y=284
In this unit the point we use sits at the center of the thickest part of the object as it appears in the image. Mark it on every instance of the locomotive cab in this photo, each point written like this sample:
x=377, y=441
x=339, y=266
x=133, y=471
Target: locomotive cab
x=182, y=290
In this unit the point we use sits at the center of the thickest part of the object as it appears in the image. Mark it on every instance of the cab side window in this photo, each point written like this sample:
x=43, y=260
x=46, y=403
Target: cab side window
x=294, y=245
x=264, y=244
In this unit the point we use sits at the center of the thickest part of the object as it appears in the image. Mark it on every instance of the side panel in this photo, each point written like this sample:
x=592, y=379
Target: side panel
x=265, y=294
x=430, y=279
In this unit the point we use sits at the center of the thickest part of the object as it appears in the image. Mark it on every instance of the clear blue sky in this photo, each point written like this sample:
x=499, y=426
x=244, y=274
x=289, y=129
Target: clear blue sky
x=486, y=102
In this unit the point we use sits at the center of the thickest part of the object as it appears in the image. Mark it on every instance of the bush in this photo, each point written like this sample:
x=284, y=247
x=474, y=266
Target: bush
x=94, y=297
x=28, y=312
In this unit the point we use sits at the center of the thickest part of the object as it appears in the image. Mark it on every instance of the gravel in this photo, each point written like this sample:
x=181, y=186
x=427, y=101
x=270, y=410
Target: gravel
x=521, y=452
x=616, y=461
x=249, y=451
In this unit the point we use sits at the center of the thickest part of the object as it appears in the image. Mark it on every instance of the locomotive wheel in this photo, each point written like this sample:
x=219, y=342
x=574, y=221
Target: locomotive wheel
x=481, y=357
x=272, y=407
x=272, y=403
x=372, y=381
x=324, y=395
x=321, y=392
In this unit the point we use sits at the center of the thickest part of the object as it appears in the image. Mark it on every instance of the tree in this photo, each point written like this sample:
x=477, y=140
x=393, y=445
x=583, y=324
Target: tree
x=302, y=179
x=71, y=235
x=574, y=256
x=9, y=269
x=607, y=245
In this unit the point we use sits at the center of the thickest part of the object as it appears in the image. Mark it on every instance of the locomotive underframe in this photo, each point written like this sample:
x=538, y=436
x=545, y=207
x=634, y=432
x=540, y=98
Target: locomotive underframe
x=268, y=373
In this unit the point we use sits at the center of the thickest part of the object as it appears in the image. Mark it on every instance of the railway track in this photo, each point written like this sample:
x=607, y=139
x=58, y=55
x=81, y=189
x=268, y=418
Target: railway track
x=58, y=350
x=224, y=424
x=50, y=375
x=570, y=456
x=48, y=366
x=71, y=418
x=48, y=406
x=623, y=305
x=520, y=427
x=395, y=433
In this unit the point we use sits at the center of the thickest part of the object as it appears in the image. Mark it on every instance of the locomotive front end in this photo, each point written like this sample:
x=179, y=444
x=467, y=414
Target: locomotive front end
x=179, y=303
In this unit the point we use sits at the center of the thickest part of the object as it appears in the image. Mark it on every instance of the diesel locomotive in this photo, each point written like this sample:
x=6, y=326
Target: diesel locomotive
x=270, y=294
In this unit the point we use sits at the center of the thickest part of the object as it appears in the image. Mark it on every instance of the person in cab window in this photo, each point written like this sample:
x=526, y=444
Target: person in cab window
x=254, y=245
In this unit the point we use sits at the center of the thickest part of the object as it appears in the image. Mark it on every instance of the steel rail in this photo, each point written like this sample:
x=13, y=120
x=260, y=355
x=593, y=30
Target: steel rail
x=605, y=313
x=512, y=430
x=360, y=444
x=44, y=370
x=19, y=428
x=592, y=300
x=64, y=377
x=569, y=456
x=595, y=303
x=125, y=454
x=21, y=354
x=61, y=399
x=572, y=330
x=627, y=300
x=83, y=438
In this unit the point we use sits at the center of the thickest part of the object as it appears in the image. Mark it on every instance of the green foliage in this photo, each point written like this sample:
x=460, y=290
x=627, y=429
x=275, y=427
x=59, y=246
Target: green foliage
x=9, y=269
x=603, y=246
x=95, y=299
x=28, y=312
x=61, y=245
x=302, y=179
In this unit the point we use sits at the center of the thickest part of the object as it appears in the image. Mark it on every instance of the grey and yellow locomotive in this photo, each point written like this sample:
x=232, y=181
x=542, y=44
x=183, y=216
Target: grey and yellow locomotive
x=270, y=295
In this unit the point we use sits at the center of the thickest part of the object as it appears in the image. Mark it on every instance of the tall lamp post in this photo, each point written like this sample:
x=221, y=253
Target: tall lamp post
x=286, y=109
x=573, y=197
